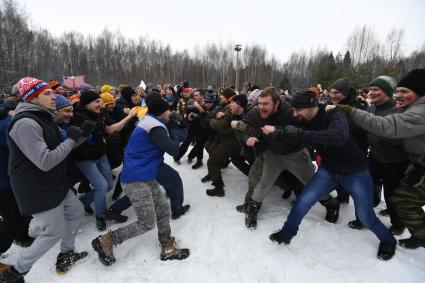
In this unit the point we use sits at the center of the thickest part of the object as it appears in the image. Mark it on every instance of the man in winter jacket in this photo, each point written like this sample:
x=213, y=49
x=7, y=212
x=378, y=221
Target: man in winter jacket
x=38, y=175
x=342, y=162
x=143, y=156
x=275, y=154
x=409, y=125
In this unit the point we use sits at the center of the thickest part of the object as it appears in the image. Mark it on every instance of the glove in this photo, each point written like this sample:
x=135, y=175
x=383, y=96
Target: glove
x=344, y=107
x=87, y=127
x=292, y=131
x=75, y=133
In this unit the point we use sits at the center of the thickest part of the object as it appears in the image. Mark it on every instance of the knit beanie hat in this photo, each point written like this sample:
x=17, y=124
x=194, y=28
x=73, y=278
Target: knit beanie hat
x=414, y=80
x=304, y=99
x=386, y=83
x=240, y=99
x=343, y=86
x=157, y=106
x=126, y=93
x=84, y=87
x=106, y=88
x=107, y=98
x=88, y=96
x=253, y=96
x=62, y=102
x=54, y=84
x=31, y=87
x=74, y=98
x=228, y=93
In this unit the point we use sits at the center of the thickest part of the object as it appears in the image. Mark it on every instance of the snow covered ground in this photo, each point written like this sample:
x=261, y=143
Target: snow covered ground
x=223, y=250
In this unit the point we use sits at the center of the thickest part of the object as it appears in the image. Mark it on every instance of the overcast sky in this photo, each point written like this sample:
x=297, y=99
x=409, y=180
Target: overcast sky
x=281, y=26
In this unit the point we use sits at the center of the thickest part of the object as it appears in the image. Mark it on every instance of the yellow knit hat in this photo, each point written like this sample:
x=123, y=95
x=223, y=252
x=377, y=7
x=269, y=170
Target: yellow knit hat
x=107, y=98
x=106, y=88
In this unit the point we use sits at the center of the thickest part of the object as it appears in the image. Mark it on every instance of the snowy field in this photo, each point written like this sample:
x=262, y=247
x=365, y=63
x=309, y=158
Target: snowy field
x=223, y=250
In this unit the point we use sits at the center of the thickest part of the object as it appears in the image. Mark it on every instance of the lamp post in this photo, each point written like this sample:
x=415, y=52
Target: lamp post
x=237, y=48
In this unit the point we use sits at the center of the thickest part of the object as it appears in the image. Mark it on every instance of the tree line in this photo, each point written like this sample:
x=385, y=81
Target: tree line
x=111, y=58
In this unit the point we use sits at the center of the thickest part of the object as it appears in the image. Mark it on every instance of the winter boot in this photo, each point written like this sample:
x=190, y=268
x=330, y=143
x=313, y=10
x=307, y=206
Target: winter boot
x=286, y=194
x=280, y=237
x=412, y=243
x=397, y=231
x=332, y=209
x=242, y=207
x=66, y=260
x=170, y=250
x=198, y=164
x=206, y=178
x=218, y=190
x=11, y=275
x=100, y=223
x=384, y=212
x=183, y=210
x=386, y=251
x=84, y=187
x=88, y=210
x=115, y=216
x=251, y=214
x=355, y=224
x=103, y=245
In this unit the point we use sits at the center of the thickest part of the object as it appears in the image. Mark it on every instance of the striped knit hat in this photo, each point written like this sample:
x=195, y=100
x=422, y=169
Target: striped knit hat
x=31, y=87
x=386, y=83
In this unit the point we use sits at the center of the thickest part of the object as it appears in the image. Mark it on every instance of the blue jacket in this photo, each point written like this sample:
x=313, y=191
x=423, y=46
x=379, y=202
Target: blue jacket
x=145, y=150
x=4, y=153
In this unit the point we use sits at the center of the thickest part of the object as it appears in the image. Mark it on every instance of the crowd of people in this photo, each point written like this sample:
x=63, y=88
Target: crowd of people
x=58, y=150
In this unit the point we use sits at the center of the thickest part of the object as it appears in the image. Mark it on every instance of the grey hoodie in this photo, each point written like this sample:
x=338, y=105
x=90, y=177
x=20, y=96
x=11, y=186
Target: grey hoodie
x=28, y=136
x=408, y=125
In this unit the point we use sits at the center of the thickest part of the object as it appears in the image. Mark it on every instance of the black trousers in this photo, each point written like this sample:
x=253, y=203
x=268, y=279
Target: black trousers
x=388, y=175
x=13, y=226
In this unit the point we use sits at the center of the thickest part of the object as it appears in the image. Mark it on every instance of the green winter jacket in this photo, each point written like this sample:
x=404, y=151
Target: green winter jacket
x=408, y=125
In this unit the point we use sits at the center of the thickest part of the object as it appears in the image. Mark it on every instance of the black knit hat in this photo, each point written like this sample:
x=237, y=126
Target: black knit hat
x=343, y=86
x=414, y=80
x=304, y=99
x=88, y=96
x=157, y=106
x=241, y=100
x=152, y=95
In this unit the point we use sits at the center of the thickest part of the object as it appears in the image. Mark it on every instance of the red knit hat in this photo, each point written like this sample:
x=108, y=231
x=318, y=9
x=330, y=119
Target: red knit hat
x=31, y=87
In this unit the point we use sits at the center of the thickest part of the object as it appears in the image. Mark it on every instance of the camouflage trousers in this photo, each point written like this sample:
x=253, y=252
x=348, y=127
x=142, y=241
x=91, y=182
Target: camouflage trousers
x=408, y=201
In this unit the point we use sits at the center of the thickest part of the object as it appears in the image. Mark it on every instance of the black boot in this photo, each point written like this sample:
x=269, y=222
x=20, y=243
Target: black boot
x=84, y=187
x=251, y=214
x=11, y=275
x=355, y=224
x=66, y=260
x=182, y=211
x=117, y=190
x=280, y=237
x=412, y=243
x=206, y=178
x=88, y=210
x=218, y=191
x=332, y=209
x=242, y=207
x=397, y=231
x=111, y=215
x=100, y=223
x=386, y=251
x=198, y=164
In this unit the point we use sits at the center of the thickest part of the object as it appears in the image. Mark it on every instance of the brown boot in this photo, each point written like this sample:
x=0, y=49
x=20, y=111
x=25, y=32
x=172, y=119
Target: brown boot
x=103, y=245
x=171, y=251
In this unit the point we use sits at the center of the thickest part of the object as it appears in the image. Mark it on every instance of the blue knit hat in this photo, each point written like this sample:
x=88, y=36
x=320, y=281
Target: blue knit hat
x=62, y=102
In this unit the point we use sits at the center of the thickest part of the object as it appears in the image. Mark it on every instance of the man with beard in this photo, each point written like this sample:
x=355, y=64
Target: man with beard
x=275, y=154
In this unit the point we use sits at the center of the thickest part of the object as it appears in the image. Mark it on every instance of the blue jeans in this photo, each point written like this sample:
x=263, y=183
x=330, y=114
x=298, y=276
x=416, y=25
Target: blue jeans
x=358, y=185
x=99, y=174
x=172, y=183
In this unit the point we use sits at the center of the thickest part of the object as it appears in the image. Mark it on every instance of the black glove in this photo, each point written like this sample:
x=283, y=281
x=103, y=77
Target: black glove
x=87, y=127
x=292, y=131
x=75, y=133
